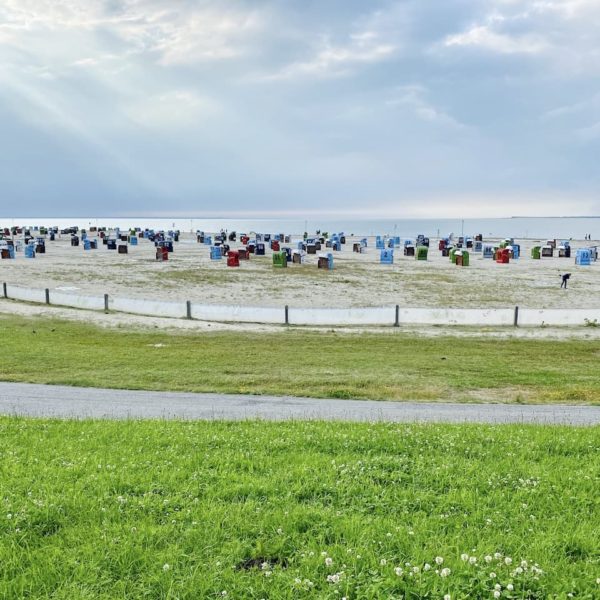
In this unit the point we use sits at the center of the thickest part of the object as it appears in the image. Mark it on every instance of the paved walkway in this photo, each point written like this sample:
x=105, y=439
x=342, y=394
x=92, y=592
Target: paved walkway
x=72, y=402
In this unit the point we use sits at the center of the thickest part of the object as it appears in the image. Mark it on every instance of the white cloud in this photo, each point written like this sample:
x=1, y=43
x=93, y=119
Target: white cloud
x=172, y=31
x=331, y=60
x=483, y=36
x=413, y=97
x=592, y=103
x=590, y=133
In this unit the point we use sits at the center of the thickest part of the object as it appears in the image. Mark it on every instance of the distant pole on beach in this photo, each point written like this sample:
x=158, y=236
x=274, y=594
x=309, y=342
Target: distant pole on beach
x=462, y=229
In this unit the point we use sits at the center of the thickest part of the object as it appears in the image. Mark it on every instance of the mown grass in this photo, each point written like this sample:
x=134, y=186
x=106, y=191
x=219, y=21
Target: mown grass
x=302, y=363
x=160, y=509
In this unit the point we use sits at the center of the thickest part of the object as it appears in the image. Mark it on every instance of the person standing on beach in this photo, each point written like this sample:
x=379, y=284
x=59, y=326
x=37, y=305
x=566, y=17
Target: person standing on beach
x=565, y=279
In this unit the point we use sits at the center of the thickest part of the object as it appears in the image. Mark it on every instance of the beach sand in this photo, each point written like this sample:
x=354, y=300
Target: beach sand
x=357, y=280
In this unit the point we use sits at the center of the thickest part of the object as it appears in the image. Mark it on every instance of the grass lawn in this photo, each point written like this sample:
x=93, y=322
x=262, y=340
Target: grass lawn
x=390, y=366
x=102, y=510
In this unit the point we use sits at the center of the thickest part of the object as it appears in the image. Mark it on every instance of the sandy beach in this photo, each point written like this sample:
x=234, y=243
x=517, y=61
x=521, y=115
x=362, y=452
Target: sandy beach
x=357, y=279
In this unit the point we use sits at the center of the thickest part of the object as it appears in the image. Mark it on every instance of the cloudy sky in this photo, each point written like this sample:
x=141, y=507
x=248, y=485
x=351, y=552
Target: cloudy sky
x=396, y=108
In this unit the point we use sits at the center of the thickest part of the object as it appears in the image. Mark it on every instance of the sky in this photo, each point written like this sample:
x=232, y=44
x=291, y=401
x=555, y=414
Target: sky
x=414, y=108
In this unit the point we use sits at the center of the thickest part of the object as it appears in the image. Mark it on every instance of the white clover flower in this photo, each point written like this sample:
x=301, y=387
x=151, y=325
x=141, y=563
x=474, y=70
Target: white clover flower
x=264, y=566
x=166, y=567
x=464, y=557
x=524, y=564
x=268, y=573
x=508, y=560
x=445, y=572
x=488, y=559
x=439, y=560
x=323, y=553
x=280, y=531
x=497, y=594
x=598, y=581
x=297, y=581
x=416, y=569
x=426, y=567
x=519, y=570
x=497, y=555
x=383, y=562
x=492, y=575
x=333, y=578
x=497, y=587
x=399, y=571
x=472, y=560
x=223, y=593
x=510, y=587
x=447, y=597
x=328, y=561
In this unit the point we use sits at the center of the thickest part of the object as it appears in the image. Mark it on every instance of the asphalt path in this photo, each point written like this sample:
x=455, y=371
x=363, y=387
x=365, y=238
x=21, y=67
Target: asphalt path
x=65, y=402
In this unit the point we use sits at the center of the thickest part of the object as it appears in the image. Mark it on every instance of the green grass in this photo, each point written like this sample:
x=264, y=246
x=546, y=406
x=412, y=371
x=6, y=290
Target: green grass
x=160, y=509
x=391, y=366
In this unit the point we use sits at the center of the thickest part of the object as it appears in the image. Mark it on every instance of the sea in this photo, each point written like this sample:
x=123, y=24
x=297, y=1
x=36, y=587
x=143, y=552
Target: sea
x=515, y=227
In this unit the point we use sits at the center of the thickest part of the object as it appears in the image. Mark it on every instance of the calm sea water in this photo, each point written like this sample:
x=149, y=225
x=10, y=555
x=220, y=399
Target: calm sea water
x=517, y=227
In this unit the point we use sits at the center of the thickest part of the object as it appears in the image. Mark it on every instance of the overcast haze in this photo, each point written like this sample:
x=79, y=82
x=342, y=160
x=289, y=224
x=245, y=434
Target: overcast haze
x=191, y=108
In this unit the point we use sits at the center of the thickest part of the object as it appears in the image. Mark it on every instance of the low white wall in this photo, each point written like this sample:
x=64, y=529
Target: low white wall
x=153, y=308
x=457, y=316
x=28, y=295
x=343, y=316
x=558, y=316
x=385, y=315
x=238, y=314
x=76, y=301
